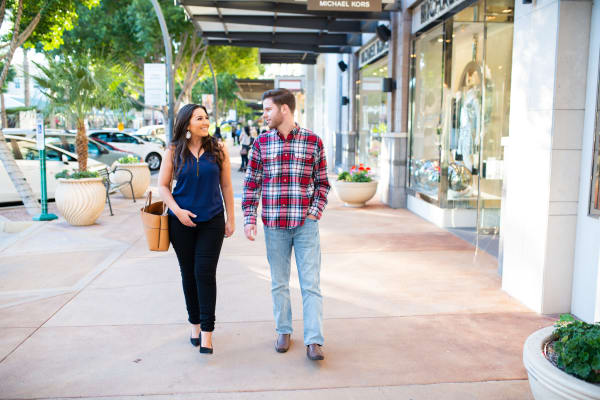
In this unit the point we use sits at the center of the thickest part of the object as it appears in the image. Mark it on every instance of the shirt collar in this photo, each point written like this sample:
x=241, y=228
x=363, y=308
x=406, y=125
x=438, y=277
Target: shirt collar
x=292, y=134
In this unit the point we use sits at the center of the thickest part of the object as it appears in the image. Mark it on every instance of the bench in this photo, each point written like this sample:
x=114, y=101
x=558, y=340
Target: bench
x=112, y=186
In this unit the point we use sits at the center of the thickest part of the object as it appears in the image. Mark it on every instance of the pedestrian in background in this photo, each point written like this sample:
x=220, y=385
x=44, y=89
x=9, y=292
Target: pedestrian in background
x=245, y=141
x=200, y=164
x=217, y=134
x=288, y=168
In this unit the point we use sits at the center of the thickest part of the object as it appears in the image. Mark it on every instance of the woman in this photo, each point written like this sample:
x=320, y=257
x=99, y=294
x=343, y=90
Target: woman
x=245, y=141
x=200, y=165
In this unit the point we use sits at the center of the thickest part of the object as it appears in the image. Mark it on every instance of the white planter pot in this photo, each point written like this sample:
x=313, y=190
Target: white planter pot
x=140, y=182
x=547, y=382
x=80, y=201
x=355, y=194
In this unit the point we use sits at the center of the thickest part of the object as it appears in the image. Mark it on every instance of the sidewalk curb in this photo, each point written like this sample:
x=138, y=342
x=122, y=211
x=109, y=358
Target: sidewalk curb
x=15, y=237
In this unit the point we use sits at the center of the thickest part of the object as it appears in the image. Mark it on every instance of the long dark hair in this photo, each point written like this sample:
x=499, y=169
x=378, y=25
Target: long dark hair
x=181, y=153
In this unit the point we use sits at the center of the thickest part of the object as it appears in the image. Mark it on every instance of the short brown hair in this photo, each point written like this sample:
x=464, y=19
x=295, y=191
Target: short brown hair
x=281, y=97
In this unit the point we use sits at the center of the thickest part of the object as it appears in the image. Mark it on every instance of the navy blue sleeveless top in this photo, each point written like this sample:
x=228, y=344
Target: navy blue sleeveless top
x=198, y=188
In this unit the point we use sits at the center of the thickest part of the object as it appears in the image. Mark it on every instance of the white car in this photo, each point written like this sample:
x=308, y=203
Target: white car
x=151, y=153
x=26, y=155
x=152, y=130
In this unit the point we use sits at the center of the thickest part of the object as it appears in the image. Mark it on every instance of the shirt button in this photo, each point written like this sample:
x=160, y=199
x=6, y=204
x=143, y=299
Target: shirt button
x=284, y=180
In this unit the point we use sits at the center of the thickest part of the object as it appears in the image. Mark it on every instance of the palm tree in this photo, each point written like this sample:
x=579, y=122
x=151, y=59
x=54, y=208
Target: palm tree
x=75, y=86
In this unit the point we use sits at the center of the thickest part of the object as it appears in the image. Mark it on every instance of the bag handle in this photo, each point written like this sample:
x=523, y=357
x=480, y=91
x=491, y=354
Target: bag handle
x=148, y=200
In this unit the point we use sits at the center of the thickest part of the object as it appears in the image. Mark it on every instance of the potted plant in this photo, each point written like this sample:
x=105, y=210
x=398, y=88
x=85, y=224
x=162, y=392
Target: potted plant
x=80, y=196
x=140, y=176
x=355, y=187
x=76, y=85
x=563, y=362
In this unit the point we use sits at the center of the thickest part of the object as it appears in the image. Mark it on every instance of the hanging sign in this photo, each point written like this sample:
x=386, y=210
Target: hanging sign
x=344, y=5
x=372, y=52
x=155, y=84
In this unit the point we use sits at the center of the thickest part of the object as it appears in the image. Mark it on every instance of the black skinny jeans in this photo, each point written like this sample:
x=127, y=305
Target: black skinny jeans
x=198, y=251
x=245, y=156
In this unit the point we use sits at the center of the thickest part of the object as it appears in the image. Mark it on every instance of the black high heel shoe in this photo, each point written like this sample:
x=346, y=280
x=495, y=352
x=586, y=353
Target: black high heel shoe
x=195, y=341
x=206, y=350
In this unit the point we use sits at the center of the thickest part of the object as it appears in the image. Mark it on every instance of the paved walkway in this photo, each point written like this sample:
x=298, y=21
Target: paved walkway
x=411, y=312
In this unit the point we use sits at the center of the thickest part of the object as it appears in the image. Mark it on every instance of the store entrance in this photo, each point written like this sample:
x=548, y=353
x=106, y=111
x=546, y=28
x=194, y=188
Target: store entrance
x=459, y=97
x=477, y=105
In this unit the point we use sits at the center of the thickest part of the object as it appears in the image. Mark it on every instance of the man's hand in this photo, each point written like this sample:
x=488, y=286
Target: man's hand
x=250, y=231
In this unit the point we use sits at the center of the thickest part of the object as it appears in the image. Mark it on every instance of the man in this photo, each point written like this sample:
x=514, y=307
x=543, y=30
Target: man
x=288, y=166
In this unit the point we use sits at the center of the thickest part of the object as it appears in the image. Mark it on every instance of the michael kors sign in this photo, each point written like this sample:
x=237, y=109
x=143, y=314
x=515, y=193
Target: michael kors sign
x=344, y=5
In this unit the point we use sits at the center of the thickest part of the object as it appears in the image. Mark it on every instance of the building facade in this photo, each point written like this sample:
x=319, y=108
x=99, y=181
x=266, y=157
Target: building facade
x=483, y=117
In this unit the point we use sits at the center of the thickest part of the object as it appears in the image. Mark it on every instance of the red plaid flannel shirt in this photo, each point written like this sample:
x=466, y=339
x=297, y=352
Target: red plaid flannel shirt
x=292, y=176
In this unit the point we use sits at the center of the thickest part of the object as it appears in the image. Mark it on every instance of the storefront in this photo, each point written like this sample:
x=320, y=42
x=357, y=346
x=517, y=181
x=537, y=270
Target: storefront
x=372, y=112
x=459, y=100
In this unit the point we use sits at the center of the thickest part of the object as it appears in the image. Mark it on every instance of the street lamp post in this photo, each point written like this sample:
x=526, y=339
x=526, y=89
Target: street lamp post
x=169, y=59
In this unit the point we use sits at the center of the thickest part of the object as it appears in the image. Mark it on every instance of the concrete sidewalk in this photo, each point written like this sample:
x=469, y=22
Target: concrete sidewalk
x=411, y=312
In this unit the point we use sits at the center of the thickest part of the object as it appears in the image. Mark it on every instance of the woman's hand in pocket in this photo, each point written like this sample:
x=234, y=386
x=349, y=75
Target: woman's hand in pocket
x=229, y=227
x=185, y=217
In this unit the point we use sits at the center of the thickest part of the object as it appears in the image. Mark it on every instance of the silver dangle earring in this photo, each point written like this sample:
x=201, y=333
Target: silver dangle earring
x=188, y=135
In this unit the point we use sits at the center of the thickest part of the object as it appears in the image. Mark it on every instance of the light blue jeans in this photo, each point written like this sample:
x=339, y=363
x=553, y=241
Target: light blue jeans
x=307, y=248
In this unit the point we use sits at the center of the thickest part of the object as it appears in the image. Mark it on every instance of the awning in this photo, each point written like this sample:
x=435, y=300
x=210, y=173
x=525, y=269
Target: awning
x=251, y=90
x=284, y=30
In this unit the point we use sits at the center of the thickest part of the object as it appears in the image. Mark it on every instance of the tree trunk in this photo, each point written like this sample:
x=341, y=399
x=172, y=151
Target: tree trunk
x=3, y=112
x=81, y=143
x=216, y=92
x=18, y=179
x=26, y=78
x=12, y=169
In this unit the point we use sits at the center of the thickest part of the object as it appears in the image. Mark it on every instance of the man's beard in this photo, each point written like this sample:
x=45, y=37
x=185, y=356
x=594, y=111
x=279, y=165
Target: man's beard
x=275, y=122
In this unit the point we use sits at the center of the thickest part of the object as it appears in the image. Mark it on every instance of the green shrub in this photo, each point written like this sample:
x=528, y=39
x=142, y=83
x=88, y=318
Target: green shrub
x=129, y=160
x=76, y=174
x=578, y=348
x=344, y=176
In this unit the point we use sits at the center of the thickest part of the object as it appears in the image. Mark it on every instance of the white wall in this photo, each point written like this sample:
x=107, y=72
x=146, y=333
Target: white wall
x=586, y=284
x=543, y=155
x=327, y=103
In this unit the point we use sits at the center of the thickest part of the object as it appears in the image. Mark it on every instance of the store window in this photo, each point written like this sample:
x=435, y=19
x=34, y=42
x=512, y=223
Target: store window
x=372, y=118
x=460, y=92
x=427, y=112
x=595, y=189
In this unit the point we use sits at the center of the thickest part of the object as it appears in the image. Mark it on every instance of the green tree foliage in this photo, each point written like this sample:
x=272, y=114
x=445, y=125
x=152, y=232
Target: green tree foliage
x=34, y=23
x=128, y=30
x=12, y=74
x=75, y=86
x=55, y=18
x=228, y=94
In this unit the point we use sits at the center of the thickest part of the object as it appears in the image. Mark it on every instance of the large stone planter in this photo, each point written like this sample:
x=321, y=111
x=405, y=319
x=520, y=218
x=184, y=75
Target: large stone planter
x=140, y=182
x=80, y=201
x=355, y=194
x=547, y=382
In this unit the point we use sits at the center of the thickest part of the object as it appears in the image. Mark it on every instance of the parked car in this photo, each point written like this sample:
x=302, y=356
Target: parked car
x=153, y=130
x=150, y=152
x=26, y=155
x=97, y=150
x=150, y=138
x=103, y=152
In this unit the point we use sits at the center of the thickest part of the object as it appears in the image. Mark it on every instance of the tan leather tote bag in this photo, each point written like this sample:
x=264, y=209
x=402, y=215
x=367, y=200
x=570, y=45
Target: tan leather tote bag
x=156, y=224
